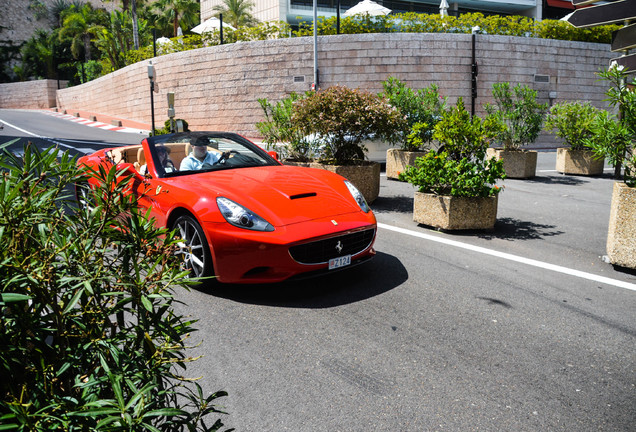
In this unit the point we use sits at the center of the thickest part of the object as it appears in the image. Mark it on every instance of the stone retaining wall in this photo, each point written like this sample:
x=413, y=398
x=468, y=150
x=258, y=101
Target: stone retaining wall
x=29, y=94
x=217, y=88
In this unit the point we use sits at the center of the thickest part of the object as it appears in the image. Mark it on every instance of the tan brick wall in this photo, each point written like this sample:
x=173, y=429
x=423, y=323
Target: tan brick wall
x=29, y=94
x=217, y=87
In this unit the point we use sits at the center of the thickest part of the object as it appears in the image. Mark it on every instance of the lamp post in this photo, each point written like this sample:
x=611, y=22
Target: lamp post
x=221, y=28
x=474, y=71
x=151, y=77
x=338, y=17
x=315, y=84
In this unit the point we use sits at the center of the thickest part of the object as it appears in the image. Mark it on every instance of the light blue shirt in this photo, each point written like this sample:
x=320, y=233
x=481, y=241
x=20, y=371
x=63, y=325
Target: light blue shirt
x=190, y=163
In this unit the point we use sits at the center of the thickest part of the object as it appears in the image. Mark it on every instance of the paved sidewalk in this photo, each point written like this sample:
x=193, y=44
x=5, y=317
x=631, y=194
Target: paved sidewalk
x=102, y=121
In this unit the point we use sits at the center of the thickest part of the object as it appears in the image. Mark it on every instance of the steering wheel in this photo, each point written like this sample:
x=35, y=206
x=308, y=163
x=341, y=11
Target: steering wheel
x=225, y=156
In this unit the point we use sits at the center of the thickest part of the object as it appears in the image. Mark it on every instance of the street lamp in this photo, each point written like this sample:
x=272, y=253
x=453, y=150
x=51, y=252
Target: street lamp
x=315, y=84
x=151, y=77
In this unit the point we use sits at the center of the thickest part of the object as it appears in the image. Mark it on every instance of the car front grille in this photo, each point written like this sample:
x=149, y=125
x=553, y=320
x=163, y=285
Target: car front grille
x=321, y=251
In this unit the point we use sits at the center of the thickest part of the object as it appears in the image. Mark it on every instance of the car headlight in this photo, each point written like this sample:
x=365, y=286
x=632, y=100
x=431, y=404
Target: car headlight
x=357, y=195
x=241, y=217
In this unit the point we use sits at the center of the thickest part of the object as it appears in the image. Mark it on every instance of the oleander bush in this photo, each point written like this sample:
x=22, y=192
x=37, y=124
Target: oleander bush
x=614, y=136
x=520, y=113
x=90, y=338
x=420, y=109
x=571, y=121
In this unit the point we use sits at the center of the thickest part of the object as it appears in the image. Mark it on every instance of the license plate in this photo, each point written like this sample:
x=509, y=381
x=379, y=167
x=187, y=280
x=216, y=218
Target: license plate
x=342, y=261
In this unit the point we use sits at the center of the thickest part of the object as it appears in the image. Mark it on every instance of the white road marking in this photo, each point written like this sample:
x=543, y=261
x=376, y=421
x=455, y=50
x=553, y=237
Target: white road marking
x=36, y=135
x=510, y=257
x=553, y=170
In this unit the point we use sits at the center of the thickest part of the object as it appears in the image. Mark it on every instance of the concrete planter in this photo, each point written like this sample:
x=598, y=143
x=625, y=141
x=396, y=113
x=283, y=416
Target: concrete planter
x=578, y=162
x=295, y=163
x=365, y=177
x=518, y=164
x=455, y=213
x=397, y=160
x=621, y=236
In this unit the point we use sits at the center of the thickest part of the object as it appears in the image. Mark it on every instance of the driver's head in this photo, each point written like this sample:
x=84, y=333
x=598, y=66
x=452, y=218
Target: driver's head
x=200, y=147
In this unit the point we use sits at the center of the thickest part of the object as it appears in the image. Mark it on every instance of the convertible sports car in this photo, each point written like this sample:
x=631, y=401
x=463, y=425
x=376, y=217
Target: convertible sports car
x=242, y=215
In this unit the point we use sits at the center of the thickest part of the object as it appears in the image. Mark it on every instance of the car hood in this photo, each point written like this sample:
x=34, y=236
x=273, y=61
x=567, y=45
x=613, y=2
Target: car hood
x=282, y=195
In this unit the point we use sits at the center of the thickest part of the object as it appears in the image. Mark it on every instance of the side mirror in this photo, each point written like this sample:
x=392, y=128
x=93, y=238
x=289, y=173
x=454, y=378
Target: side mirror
x=273, y=154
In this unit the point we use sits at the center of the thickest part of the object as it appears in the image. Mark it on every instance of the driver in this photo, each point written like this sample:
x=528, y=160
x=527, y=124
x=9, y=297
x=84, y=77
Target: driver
x=199, y=156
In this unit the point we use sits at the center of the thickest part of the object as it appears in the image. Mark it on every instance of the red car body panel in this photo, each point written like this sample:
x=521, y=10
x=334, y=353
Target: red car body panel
x=303, y=205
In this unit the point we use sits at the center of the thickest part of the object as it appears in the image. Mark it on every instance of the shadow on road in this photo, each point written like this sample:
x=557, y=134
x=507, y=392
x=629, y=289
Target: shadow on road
x=373, y=278
x=400, y=204
x=560, y=179
x=515, y=229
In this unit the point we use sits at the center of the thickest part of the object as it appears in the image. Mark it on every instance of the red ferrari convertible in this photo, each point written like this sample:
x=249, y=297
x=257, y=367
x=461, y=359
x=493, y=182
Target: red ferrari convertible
x=243, y=217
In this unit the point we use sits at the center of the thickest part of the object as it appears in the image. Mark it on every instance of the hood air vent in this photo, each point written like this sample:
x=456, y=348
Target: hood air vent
x=303, y=195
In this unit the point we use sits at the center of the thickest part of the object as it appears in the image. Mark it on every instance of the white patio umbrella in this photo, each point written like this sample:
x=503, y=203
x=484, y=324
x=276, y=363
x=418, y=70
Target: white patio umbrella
x=443, y=8
x=211, y=24
x=369, y=7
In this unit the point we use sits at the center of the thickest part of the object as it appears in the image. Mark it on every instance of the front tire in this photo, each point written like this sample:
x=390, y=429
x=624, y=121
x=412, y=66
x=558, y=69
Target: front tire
x=193, y=248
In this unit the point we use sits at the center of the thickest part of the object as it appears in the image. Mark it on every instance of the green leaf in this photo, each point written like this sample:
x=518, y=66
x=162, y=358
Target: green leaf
x=71, y=304
x=147, y=303
x=14, y=297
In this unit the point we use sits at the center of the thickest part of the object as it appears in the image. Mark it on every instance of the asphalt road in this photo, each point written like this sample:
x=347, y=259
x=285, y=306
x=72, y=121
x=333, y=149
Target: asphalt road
x=524, y=328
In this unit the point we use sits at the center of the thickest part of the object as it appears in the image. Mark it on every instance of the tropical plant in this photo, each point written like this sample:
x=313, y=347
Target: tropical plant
x=460, y=167
x=614, y=137
x=341, y=118
x=9, y=53
x=57, y=9
x=80, y=25
x=278, y=128
x=237, y=12
x=116, y=40
x=572, y=122
x=89, y=334
x=38, y=55
x=177, y=12
x=421, y=110
x=517, y=108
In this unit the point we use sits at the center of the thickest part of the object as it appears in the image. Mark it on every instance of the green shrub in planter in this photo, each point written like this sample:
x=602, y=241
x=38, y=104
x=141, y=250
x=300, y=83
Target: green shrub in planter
x=614, y=137
x=439, y=174
x=572, y=122
x=463, y=136
x=421, y=110
x=461, y=167
x=342, y=117
x=519, y=111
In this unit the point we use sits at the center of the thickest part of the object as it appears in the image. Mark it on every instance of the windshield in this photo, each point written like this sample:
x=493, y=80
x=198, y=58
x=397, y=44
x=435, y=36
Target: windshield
x=193, y=152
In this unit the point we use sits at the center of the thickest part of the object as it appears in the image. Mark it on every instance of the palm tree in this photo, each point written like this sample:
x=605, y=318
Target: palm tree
x=237, y=12
x=79, y=25
x=116, y=39
x=177, y=11
x=38, y=55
